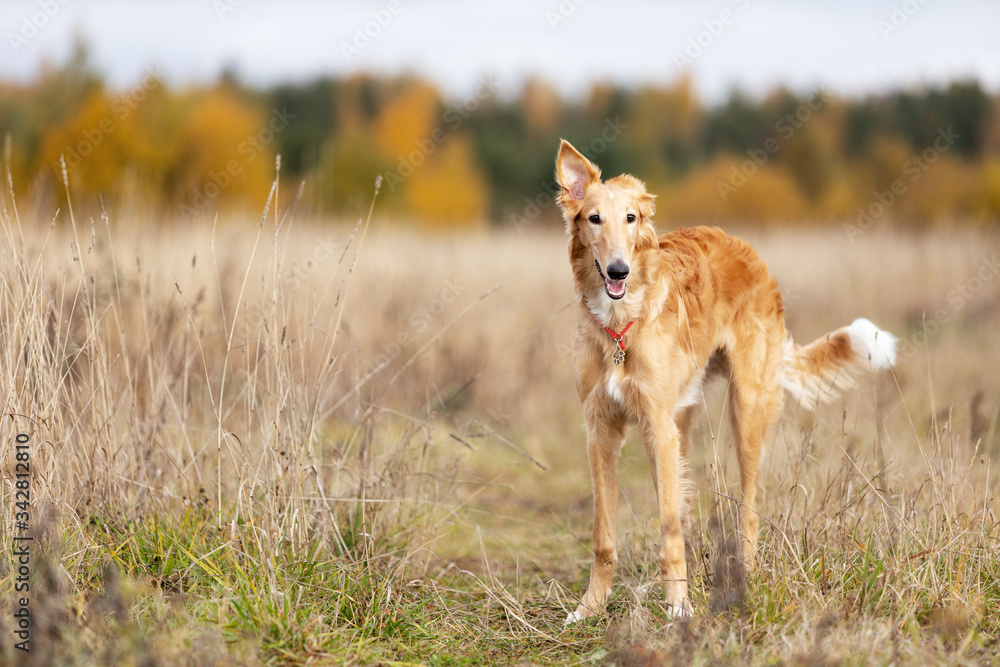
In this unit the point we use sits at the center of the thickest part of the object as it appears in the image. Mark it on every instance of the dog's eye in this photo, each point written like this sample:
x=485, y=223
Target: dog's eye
x=595, y=219
x=630, y=217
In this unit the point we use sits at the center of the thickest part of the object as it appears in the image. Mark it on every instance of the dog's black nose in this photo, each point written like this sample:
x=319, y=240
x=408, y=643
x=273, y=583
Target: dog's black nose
x=617, y=270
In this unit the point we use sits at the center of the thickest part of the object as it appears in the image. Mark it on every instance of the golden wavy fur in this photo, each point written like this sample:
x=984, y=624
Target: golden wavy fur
x=701, y=303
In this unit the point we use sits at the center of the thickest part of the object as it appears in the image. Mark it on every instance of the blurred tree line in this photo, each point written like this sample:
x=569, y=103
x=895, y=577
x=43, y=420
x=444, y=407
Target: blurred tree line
x=923, y=156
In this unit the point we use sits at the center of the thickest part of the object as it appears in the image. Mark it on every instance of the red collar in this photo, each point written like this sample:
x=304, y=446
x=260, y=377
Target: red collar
x=616, y=336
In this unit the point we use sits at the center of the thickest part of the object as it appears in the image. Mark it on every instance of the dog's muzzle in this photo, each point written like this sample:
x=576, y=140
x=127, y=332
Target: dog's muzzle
x=614, y=281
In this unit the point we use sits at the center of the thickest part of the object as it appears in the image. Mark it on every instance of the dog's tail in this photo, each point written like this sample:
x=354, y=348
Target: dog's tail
x=827, y=367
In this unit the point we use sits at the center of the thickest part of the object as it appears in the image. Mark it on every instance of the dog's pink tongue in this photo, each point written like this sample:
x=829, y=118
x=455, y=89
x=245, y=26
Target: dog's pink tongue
x=616, y=287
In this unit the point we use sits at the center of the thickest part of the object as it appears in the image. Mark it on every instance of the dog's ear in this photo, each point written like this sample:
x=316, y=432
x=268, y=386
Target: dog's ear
x=645, y=201
x=573, y=173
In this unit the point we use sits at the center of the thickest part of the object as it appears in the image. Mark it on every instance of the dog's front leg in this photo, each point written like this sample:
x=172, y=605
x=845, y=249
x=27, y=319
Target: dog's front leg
x=605, y=434
x=663, y=450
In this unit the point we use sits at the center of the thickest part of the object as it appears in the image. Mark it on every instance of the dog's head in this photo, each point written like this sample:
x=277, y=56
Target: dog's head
x=612, y=218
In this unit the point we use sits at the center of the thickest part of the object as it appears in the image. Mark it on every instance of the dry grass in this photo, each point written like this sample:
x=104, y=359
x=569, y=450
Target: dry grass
x=246, y=452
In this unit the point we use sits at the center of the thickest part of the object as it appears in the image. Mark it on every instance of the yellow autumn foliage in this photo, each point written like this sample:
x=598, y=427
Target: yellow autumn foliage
x=943, y=192
x=734, y=189
x=987, y=193
x=542, y=106
x=346, y=176
x=198, y=150
x=839, y=200
x=225, y=154
x=107, y=137
x=886, y=161
x=447, y=190
x=665, y=113
x=407, y=119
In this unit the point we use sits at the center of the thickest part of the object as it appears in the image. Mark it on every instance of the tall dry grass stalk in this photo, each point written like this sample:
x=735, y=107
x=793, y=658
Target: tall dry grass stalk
x=145, y=382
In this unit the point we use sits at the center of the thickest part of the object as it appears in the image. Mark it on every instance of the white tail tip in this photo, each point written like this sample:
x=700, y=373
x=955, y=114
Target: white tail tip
x=876, y=345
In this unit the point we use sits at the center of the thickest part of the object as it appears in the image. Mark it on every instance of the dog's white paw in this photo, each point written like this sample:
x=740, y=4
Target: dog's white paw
x=587, y=609
x=679, y=611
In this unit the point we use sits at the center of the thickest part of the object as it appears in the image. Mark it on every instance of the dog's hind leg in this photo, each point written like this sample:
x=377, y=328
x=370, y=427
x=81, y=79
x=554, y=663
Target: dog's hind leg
x=605, y=435
x=755, y=399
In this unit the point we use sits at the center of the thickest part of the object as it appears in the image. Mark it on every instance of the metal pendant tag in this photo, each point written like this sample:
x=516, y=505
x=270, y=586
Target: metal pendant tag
x=619, y=357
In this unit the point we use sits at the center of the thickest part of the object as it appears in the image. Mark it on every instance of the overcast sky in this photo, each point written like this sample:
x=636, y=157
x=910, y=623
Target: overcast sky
x=849, y=46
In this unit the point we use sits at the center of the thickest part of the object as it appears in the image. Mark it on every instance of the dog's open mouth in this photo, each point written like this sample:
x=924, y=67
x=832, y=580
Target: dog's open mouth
x=614, y=288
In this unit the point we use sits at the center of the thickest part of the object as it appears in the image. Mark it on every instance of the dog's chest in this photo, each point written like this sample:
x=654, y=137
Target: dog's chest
x=615, y=380
x=622, y=380
x=622, y=387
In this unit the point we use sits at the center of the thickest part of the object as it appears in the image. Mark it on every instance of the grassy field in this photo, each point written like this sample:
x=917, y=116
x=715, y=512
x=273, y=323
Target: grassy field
x=285, y=442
